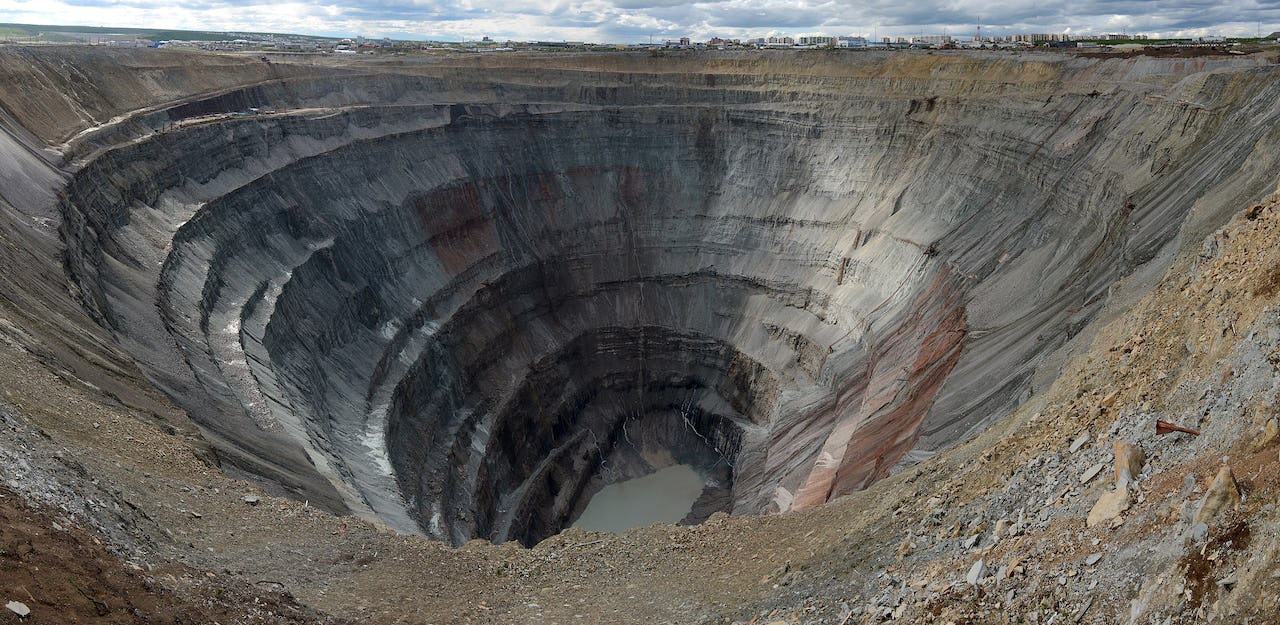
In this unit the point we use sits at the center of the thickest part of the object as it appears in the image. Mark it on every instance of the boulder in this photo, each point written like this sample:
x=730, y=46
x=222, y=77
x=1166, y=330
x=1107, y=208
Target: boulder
x=1091, y=473
x=1270, y=433
x=1223, y=493
x=1129, y=461
x=1109, y=507
x=19, y=608
x=976, y=573
x=1002, y=526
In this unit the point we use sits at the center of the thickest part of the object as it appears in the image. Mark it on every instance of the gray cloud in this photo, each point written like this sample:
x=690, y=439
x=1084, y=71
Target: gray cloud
x=636, y=20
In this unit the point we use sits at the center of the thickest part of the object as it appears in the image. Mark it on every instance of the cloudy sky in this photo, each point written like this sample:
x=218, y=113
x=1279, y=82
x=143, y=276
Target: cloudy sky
x=637, y=20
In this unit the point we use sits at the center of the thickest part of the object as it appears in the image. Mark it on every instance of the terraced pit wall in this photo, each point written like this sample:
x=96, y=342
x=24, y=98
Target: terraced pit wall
x=462, y=295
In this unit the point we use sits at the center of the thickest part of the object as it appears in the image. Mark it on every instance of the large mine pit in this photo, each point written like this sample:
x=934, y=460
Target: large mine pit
x=299, y=338
x=461, y=298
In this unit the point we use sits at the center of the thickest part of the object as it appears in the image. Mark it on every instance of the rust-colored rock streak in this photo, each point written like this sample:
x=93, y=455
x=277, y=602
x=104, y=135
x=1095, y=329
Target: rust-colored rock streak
x=868, y=440
x=456, y=226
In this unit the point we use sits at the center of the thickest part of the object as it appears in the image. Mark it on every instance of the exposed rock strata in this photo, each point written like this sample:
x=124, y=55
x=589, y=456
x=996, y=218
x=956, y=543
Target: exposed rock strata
x=443, y=295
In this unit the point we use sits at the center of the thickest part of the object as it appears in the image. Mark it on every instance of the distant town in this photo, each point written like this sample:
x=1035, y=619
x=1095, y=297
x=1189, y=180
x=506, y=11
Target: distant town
x=930, y=41
x=26, y=34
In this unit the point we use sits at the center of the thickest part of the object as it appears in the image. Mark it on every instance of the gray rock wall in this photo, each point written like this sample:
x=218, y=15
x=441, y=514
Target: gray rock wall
x=442, y=296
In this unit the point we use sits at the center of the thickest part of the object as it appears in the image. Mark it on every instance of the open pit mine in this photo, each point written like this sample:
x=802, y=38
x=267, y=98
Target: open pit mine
x=295, y=331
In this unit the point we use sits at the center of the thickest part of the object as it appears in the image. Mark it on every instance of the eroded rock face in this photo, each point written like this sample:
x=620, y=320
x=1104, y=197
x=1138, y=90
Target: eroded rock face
x=446, y=296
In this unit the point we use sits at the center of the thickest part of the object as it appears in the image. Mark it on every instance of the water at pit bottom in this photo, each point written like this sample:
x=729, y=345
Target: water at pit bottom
x=664, y=496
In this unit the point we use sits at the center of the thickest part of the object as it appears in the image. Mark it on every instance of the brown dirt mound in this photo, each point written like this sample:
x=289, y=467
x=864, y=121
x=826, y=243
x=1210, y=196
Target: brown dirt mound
x=1174, y=52
x=64, y=576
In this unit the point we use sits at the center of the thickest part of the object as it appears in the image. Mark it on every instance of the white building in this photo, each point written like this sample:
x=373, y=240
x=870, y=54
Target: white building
x=817, y=40
x=933, y=40
x=1036, y=37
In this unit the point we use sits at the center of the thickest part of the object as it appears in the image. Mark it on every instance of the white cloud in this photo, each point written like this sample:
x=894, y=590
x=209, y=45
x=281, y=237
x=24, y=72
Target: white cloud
x=636, y=20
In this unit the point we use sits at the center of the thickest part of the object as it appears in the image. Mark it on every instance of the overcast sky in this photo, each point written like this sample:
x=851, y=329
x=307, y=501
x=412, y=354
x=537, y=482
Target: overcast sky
x=637, y=20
